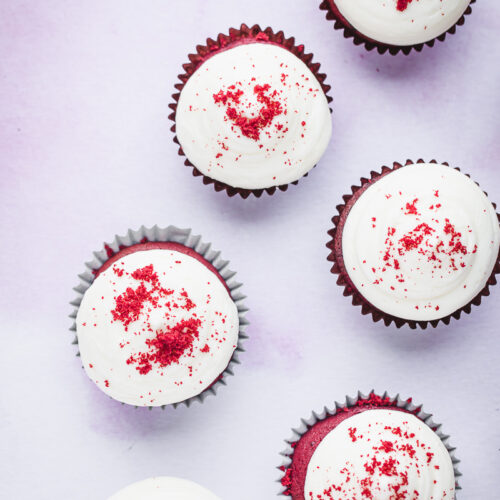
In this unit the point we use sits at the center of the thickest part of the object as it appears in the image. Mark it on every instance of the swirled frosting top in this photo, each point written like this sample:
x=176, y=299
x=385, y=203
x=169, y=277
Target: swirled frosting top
x=253, y=116
x=421, y=242
x=156, y=327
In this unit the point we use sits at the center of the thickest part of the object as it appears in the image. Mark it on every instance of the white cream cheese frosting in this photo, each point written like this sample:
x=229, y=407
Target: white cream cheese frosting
x=164, y=488
x=253, y=116
x=402, y=22
x=156, y=327
x=381, y=455
x=421, y=242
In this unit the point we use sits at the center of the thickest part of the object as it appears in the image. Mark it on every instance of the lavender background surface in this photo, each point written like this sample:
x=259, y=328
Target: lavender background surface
x=86, y=152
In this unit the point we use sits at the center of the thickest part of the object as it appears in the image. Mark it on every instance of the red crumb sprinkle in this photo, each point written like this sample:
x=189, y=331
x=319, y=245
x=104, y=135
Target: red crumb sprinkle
x=411, y=208
x=129, y=305
x=402, y=5
x=106, y=383
x=439, y=245
x=146, y=273
x=250, y=126
x=119, y=272
x=168, y=346
x=352, y=434
x=386, y=446
x=109, y=251
x=286, y=480
x=165, y=344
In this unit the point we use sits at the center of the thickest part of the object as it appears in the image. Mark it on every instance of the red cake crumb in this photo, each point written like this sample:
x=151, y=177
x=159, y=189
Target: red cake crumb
x=168, y=346
x=402, y=5
x=352, y=434
x=129, y=305
x=169, y=343
x=250, y=126
x=444, y=254
x=411, y=208
x=286, y=480
x=109, y=251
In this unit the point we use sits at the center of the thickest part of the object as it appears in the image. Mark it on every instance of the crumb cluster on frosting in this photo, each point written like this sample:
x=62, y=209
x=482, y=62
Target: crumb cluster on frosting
x=402, y=5
x=244, y=115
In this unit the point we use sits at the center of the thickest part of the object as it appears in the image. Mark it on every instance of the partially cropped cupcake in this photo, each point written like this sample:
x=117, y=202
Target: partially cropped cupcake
x=396, y=25
x=159, y=318
x=252, y=112
x=416, y=243
x=370, y=447
x=164, y=488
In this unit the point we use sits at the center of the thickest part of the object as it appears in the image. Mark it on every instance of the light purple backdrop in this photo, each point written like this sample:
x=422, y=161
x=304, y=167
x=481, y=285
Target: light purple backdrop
x=86, y=152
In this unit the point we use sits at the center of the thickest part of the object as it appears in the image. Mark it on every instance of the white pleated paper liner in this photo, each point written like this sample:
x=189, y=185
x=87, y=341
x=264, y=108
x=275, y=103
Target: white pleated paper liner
x=352, y=402
x=170, y=234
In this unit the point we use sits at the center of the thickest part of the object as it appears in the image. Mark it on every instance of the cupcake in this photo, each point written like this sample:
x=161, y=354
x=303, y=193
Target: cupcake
x=159, y=318
x=416, y=244
x=252, y=112
x=164, y=488
x=371, y=447
x=396, y=25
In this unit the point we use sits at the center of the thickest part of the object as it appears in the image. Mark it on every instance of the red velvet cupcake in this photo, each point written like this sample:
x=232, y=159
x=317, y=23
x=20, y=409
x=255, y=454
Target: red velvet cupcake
x=396, y=25
x=158, y=318
x=252, y=112
x=369, y=447
x=416, y=244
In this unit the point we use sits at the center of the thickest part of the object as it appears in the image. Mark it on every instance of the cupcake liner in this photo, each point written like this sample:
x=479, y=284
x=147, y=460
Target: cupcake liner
x=335, y=256
x=341, y=23
x=241, y=36
x=351, y=402
x=184, y=237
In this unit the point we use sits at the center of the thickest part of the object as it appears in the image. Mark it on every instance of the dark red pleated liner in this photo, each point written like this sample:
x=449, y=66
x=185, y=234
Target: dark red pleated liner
x=241, y=36
x=343, y=280
x=341, y=23
x=307, y=437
